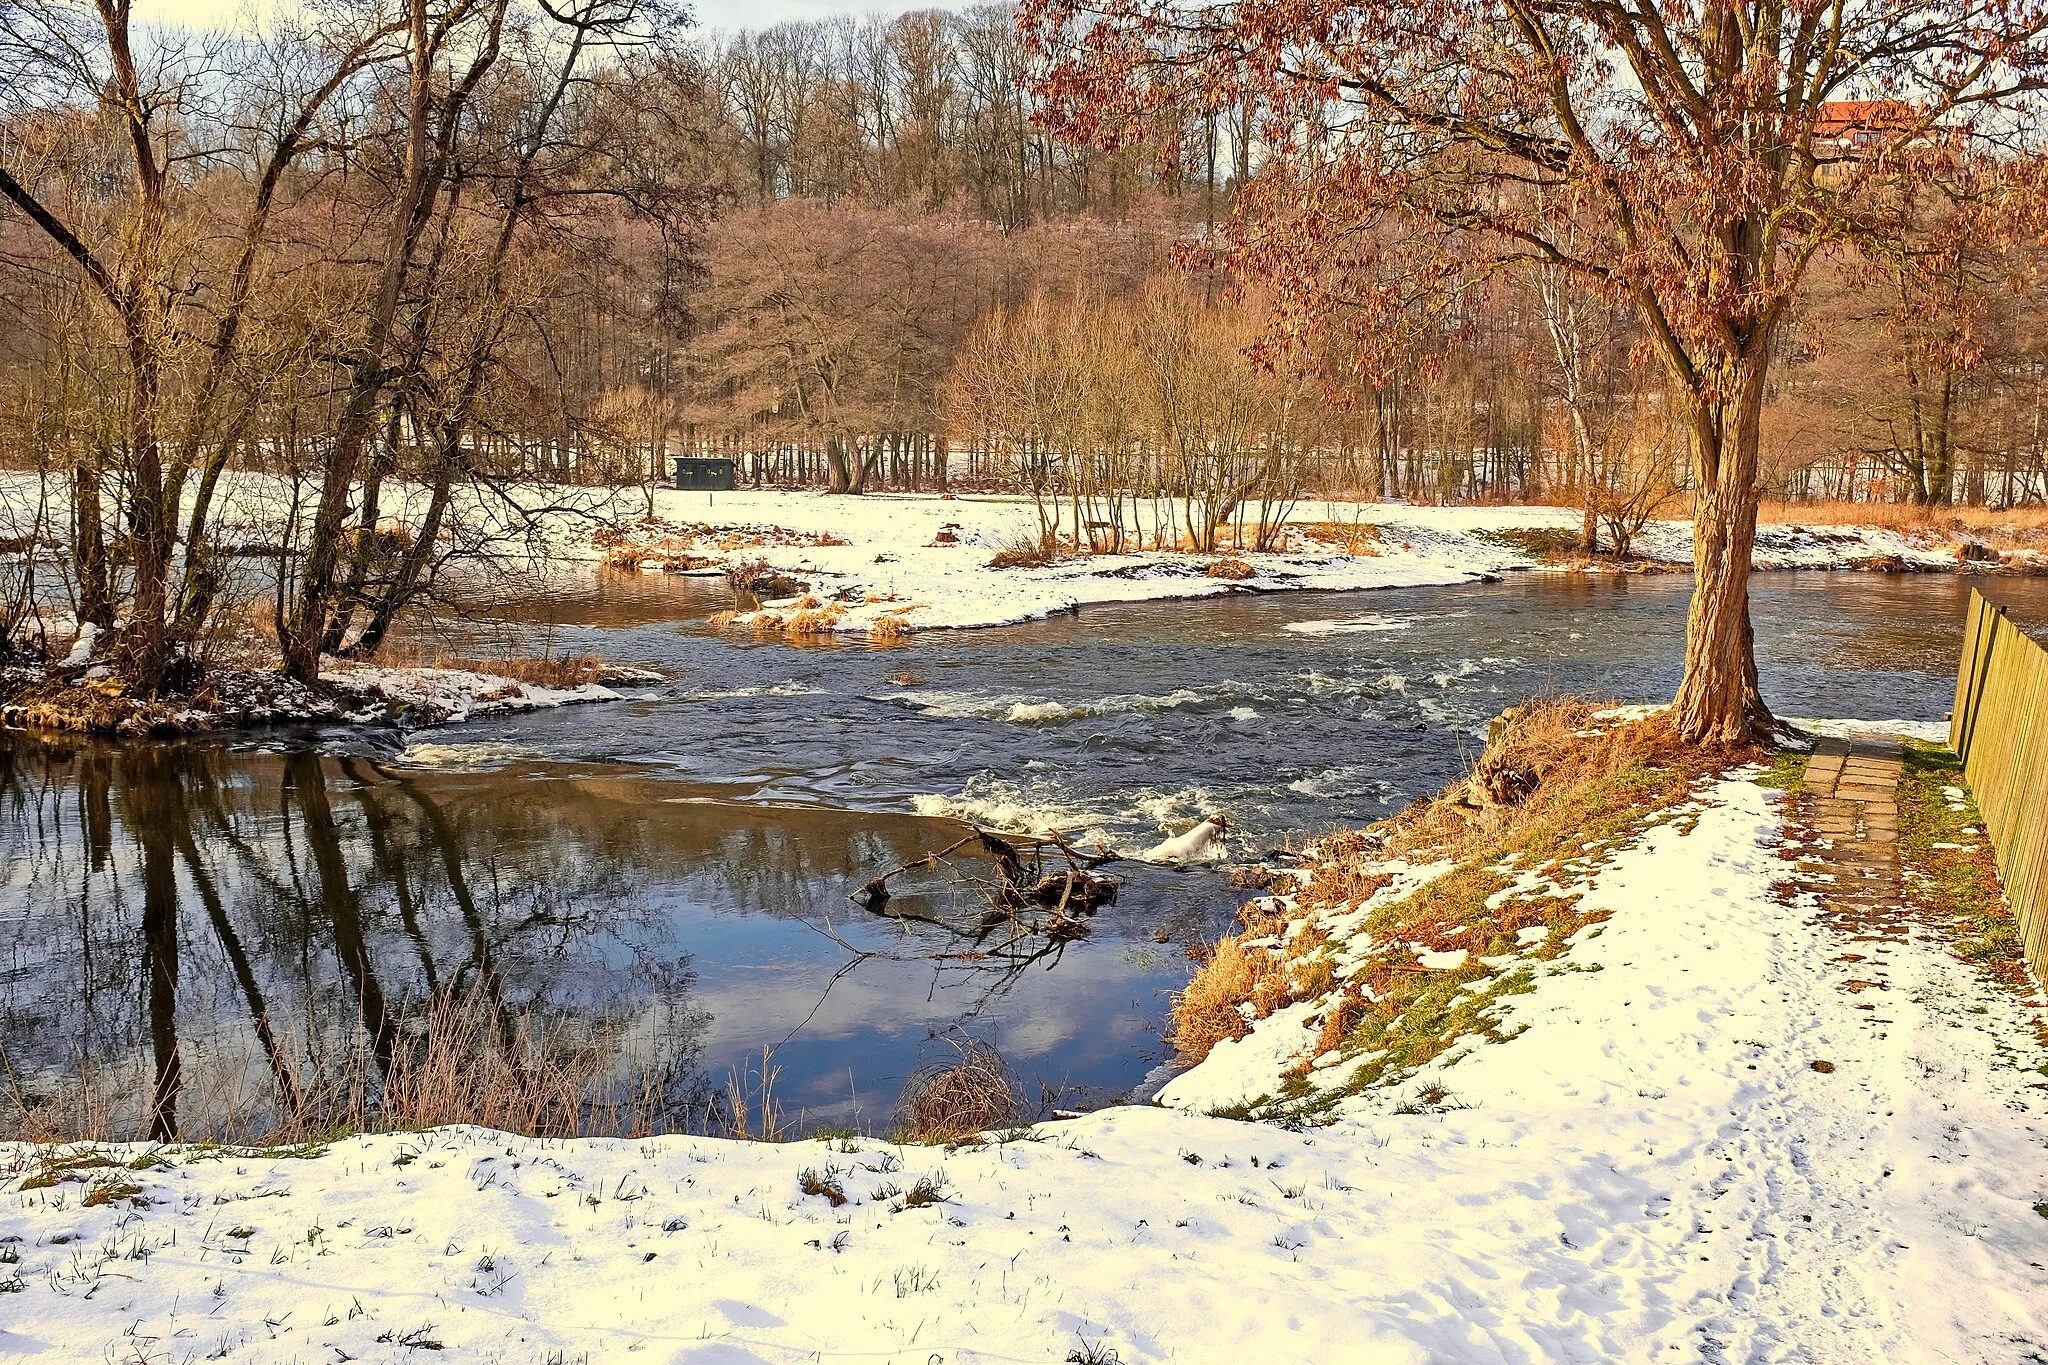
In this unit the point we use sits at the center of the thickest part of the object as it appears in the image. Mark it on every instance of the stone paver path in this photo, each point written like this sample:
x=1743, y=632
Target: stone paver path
x=1851, y=802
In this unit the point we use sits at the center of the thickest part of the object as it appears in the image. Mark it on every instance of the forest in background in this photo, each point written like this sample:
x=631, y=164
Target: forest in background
x=396, y=257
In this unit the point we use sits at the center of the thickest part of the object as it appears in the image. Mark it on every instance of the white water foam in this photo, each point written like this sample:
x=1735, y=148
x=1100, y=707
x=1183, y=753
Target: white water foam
x=781, y=689
x=1000, y=804
x=1349, y=625
x=1034, y=710
x=460, y=756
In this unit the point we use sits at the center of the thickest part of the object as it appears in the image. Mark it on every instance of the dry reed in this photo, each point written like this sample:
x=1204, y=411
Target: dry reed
x=948, y=1101
x=457, y=1059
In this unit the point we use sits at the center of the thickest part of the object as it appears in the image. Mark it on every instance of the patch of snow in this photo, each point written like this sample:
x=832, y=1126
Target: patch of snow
x=81, y=648
x=1202, y=844
x=1931, y=731
x=1349, y=625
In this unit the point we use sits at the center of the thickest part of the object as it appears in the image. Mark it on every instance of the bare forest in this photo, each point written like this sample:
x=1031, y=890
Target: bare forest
x=299, y=319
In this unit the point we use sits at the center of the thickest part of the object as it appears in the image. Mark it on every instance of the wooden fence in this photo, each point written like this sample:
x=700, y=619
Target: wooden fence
x=2000, y=729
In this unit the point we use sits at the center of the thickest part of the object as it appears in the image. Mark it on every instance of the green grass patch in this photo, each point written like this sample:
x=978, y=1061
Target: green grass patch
x=1787, y=772
x=1953, y=874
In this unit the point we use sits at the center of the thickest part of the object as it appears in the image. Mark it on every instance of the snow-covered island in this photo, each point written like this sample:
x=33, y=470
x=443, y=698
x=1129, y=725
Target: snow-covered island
x=896, y=563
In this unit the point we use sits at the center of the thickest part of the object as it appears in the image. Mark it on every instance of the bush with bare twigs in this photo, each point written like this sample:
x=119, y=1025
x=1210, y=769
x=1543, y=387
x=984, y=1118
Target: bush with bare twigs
x=957, y=1098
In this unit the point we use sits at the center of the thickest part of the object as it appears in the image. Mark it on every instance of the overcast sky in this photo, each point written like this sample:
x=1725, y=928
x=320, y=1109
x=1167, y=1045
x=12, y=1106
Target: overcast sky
x=721, y=14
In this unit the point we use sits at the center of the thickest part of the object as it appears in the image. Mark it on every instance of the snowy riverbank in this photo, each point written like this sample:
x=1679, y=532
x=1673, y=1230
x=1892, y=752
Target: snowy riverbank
x=1650, y=1167
x=923, y=560
x=232, y=697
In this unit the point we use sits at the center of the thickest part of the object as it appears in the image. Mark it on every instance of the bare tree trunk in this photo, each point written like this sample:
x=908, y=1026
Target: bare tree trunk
x=1719, y=700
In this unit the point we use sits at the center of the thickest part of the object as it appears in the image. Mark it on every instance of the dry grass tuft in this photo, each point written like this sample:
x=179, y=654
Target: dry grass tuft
x=1234, y=569
x=1356, y=538
x=573, y=670
x=1210, y=1009
x=957, y=1099
x=1026, y=551
x=767, y=623
x=1344, y=1014
x=891, y=625
x=721, y=619
x=814, y=619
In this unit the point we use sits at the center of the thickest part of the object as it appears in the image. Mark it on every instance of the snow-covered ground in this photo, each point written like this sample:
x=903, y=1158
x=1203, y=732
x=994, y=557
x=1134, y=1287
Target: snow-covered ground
x=435, y=696
x=925, y=558
x=1653, y=1169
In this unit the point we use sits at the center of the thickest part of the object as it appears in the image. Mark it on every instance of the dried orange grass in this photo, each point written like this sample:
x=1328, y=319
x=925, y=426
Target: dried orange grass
x=572, y=670
x=814, y=620
x=1209, y=1010
x=2007, y=528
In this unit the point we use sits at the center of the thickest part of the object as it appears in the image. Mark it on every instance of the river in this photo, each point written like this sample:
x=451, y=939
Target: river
x=662, y=882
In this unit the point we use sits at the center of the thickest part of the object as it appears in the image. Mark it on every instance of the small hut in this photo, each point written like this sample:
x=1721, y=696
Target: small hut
x=705, y=472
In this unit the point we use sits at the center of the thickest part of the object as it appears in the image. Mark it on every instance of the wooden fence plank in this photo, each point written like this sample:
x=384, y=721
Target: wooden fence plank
x=2000, y=729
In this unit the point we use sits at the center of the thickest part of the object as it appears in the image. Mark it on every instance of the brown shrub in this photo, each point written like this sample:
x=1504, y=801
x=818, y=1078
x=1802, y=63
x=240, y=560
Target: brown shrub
x=956, y=1099
x=1235, y=569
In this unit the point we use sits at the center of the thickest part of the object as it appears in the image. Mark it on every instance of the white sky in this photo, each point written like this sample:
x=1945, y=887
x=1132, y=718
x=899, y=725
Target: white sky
x=719, y=14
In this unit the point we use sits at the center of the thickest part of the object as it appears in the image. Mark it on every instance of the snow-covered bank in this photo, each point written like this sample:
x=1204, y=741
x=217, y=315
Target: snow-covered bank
x=232, y=697
x=1650, y=1168
x=923, y=560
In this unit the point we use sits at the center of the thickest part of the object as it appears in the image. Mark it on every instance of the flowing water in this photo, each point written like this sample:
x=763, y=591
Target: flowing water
x=667, y=876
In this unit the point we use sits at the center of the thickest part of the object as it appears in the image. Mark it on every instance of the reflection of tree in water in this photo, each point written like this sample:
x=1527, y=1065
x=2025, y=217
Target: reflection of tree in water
x=268, y=921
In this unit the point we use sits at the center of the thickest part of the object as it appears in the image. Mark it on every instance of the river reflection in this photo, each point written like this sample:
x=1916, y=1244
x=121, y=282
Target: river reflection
x=193, y=931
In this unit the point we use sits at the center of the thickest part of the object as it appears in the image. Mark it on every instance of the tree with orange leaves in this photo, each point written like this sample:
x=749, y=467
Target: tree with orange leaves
x=1691, y=158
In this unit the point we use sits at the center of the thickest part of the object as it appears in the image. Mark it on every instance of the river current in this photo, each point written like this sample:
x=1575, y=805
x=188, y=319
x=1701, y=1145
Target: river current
x=669, y=873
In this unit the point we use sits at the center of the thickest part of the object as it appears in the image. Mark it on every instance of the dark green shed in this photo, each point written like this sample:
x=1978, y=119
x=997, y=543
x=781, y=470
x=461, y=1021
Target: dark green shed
x=705, y=472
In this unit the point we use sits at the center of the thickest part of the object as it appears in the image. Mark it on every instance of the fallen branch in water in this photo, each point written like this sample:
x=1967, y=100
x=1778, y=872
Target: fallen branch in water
x=1042, y=893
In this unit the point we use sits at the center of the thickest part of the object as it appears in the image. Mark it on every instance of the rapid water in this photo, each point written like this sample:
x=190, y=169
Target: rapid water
x=665, y=879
